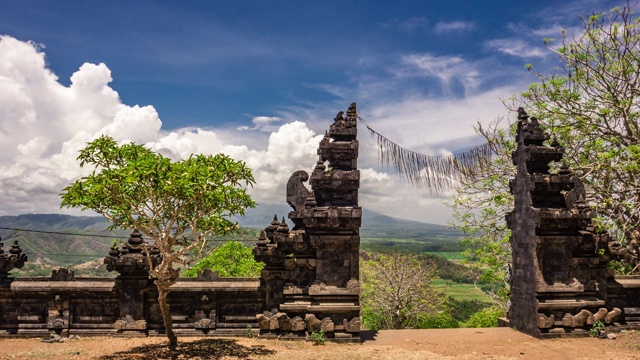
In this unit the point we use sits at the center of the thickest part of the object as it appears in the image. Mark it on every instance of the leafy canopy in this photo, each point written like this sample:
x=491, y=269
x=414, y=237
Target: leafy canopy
x=135, y=187
x=177, y=204
x=480, y=205
x=591, y=104
x=230, y=260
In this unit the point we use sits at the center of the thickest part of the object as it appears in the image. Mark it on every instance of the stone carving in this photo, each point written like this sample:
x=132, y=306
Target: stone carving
x=14, y=259
x=208, y=275
x=62, y=274
x=312, y=269
x=130, y=259
x=297, y=194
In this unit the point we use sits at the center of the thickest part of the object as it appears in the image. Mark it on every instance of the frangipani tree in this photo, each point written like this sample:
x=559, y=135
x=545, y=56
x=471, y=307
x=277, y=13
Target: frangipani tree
x=177, y=204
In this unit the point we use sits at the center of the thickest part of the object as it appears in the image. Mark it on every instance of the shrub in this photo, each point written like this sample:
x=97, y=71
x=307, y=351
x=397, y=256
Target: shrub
x=485, y=318
x=443, y=320
x=317, y=337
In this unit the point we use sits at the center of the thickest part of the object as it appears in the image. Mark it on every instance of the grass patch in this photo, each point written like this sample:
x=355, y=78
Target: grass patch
x=449, y=255
x=460, y=291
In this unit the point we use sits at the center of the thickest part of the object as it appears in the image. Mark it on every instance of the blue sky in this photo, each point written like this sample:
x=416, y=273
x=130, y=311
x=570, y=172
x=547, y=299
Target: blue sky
x=422, y=73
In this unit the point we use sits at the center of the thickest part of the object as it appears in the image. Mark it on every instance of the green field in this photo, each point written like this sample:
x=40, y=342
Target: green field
x=449, y=255
x=460, y=291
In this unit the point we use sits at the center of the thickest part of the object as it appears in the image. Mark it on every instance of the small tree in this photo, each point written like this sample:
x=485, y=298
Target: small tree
x=230, y=260
x=177, y=204
x=396, y=292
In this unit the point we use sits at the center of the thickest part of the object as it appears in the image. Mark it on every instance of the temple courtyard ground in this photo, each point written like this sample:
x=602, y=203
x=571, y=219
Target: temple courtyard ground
x=494, y=343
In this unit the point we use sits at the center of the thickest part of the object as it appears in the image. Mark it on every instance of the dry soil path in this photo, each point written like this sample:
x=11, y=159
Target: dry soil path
x=495, y=343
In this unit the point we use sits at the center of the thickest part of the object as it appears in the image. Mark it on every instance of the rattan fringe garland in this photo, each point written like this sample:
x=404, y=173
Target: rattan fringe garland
x=433, y=173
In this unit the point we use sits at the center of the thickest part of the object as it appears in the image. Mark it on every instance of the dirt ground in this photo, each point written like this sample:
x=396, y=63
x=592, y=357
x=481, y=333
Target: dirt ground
x=495, y=343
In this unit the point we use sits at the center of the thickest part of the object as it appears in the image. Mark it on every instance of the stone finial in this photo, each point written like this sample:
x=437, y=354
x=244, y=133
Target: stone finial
x=351, y=112
x=262, y=239
x=15, y=248
x=274, y=224
x=320, y=166
x=310, y=201
x=283, y=228
x=130, y=259
x=135, y=238
x=522, y=115
x=14, y=259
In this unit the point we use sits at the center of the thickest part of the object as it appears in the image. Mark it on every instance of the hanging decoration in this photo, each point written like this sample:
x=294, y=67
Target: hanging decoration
x=436, y=174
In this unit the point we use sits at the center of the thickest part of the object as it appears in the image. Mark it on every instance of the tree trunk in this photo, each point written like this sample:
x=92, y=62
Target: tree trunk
x=166, y=316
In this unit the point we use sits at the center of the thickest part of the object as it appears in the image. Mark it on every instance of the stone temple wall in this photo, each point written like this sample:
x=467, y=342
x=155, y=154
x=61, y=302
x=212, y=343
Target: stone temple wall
x=126, y=305
x=560, y=283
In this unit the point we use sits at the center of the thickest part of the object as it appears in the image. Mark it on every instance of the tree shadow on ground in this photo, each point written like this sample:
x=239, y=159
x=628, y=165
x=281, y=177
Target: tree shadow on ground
x=368, y=335
x=199, y=349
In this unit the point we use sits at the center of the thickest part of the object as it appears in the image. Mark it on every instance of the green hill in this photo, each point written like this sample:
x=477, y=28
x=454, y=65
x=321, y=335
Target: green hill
x=47, y=249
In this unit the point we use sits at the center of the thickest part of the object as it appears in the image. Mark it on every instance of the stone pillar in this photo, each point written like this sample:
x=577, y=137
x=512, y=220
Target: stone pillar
x=133, y=266
x=559, y=277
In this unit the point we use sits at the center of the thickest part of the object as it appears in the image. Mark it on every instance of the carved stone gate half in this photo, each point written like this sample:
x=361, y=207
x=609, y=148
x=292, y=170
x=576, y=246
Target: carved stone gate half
x=311, y=274
x=560, y=284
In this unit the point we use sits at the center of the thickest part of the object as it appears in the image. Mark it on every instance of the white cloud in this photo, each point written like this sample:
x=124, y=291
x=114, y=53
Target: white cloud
x=454, y=26
x=517, y=48
x=43, y=124
x=262, y=123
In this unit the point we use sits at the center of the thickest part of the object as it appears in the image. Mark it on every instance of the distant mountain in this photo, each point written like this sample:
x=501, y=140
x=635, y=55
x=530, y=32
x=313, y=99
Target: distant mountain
x=374, y=224
x=45, y=248
x=53, y=222
x=52, y=249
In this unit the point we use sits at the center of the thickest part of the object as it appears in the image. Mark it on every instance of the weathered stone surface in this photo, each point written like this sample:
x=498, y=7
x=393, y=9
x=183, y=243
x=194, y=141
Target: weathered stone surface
x=312, y=270
x=560, y=284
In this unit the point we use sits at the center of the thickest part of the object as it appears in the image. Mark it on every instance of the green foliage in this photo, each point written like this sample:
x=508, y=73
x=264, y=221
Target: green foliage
x=230, y=260
x=591, y=105
x=596, y=329
x=137, y=188
x=250, y=333
x=177, y=204
x=440, y=320
x=480, y=205
x=620, y=267
x=485, y=318
x=462, y=310
x=318, y=338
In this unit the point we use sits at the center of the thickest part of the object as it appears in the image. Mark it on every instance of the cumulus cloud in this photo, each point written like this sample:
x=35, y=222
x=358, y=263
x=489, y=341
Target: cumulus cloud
x=43, y=124
x=454, y=26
